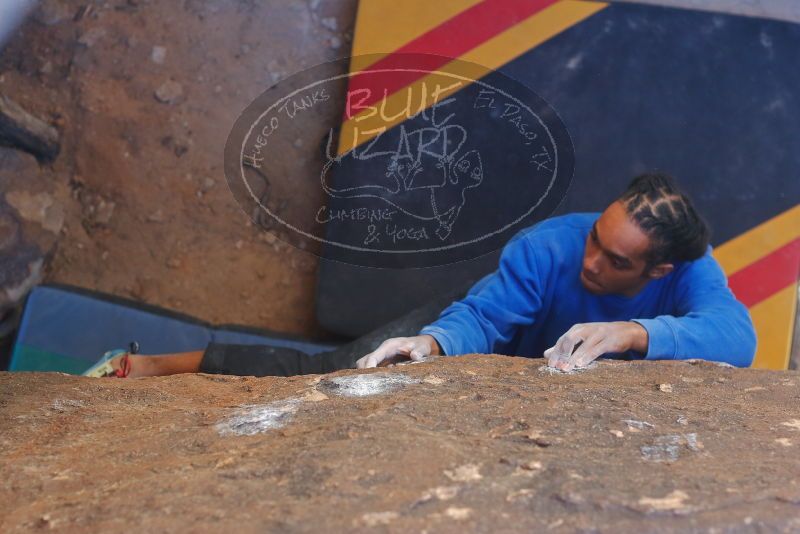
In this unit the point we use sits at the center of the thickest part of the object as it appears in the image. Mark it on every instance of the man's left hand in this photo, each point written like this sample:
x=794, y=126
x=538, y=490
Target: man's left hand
x=592, y=341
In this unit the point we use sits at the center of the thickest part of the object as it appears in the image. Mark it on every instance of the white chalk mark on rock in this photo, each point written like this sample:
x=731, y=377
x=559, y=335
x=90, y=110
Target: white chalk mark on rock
x=635, y=426
x=442, y=493
x=366, y=384
x=698, y=361
x=158, y=55
x=66, y=405
x=421, y=360
x=667, y=448
x=673, y=501
x=254, y=419
x=692, y=379
x=373, y=519
x=519, y=494
x=464, y=473
x=793, y=424
x=433, y=380
x=786, y=442
x=554, y=371
x=459, y=514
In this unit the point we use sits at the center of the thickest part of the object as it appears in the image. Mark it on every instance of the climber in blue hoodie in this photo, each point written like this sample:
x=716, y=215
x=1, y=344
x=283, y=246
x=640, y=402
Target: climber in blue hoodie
x=635, y=281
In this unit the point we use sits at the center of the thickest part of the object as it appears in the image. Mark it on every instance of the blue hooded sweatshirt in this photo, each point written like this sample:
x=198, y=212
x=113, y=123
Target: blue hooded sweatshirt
x=535, y=296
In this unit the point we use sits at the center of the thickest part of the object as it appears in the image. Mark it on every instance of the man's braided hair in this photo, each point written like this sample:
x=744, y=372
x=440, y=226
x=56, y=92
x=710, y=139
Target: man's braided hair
x=666, y=215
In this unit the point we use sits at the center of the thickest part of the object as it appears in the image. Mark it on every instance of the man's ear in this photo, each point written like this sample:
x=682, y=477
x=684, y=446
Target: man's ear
x=660, y=271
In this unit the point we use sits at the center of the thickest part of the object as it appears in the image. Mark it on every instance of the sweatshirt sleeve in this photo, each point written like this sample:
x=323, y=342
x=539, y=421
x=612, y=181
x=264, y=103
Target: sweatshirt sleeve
x=709, y=323
x=498, y=304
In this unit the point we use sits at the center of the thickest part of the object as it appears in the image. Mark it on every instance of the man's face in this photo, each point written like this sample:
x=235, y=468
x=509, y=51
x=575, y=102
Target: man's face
x=614, y=259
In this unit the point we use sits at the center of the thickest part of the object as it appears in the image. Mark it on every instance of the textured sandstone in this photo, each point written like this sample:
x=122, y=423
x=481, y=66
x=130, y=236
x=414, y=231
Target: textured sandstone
x=477, y=443
x=31, y=222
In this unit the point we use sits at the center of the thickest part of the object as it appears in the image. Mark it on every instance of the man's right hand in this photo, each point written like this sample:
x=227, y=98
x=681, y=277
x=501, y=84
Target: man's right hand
x=416, y=348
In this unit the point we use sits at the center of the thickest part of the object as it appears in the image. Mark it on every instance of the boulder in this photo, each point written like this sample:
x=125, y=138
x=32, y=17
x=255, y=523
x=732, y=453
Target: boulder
x=479, y=443
x=19, y=129
x=31, y=220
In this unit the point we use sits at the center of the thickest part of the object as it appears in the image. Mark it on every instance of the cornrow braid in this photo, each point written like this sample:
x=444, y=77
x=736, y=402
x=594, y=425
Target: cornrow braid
x=667, y=216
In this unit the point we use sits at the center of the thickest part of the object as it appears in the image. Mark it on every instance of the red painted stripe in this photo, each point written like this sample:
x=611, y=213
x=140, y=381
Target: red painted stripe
x=768, y=275
x=449, y=40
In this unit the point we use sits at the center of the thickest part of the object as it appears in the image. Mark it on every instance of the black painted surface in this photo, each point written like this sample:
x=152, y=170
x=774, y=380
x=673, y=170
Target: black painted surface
x=712, y=99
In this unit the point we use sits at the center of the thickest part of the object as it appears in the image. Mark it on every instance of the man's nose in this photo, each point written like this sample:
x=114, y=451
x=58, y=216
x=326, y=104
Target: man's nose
x=591, y=264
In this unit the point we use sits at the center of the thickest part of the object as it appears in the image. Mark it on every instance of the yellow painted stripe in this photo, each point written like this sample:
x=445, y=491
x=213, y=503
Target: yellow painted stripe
x=759, y=241
x=774, y=320
x=773, y=317
x=482, y=59
x=532, y=32
x=383, y=26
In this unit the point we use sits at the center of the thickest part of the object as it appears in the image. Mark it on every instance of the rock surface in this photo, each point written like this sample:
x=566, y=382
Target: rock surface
x=471, y=444
x=143, y=94
x=31, y=222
